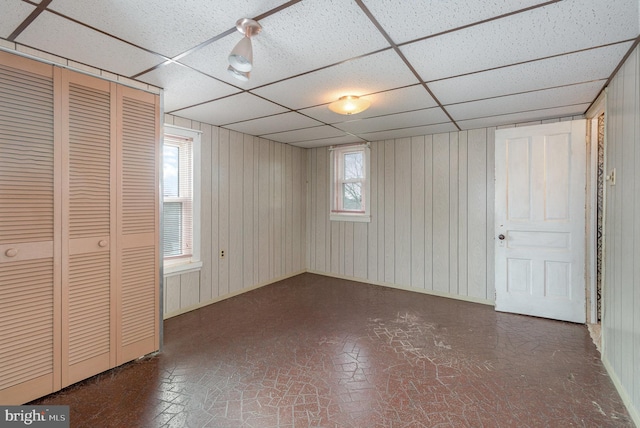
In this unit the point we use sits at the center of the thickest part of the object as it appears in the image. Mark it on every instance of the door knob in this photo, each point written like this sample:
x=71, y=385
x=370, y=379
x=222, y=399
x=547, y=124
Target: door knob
x=11, y=252
x=102, y=243
x=501, y=237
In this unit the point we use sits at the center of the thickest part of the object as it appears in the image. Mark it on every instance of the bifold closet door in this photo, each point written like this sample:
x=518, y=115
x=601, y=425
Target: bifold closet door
x=29, y=231
x=88, y=227
x=138, y=248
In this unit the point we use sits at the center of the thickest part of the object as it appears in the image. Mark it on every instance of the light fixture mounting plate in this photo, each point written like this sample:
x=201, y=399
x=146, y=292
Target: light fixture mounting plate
x=248, y=26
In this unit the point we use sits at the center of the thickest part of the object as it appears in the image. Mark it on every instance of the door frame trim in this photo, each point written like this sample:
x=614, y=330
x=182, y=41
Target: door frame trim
x=591, y=250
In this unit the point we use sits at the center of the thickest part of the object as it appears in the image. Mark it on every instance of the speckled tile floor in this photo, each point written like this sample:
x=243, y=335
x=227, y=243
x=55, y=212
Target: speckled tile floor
x=313, y=351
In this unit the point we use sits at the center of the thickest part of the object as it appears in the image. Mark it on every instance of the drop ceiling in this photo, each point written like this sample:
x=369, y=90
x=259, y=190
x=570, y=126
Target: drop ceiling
x=426, y=67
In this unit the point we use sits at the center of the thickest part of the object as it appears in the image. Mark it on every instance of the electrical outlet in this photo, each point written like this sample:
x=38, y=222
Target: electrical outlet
x=222, y=254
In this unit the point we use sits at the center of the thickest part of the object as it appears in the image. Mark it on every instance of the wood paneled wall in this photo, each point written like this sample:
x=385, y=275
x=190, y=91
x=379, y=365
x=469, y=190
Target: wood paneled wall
x=432, y=217
x=253, y=206
x=621, y=282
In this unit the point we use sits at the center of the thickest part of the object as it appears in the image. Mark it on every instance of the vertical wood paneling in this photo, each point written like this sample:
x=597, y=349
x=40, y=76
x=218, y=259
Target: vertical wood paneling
x=629, y=113
x=256, y=211
x=428, y=212
x=336, y=253
x=360, y=250
x=488, y=291
x=287, y=219
x=236, y=219
x=321, y=208
x=379, y=146
x=348, y=248
x=636, y=239
x=172, y=294
x=402, y=212
x=341, y=240
x=463, y=213
x=312, y=176
x=441, y=219
x=621, y=294
x=389, y=211
x=247, y=171
x=453, y=213
x=477, y=217
x=189, y=289
x=206, y=248
x=254, y=198
x=418, y=185
x=263, y=238
x=298, y=198
x=215, y=213
x=431, y=199
x=372, y=227
x=223, y=211
x=276, y=219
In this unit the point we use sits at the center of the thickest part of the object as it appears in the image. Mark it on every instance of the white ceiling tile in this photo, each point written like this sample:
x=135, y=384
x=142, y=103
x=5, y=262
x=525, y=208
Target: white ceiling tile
x=595, y=64
x=306, y=134
x=303, y=37
x=405, y=21
x=185, y=87
x=395, y=121
x=231, y=109
x=562, y=27
x=165, y=27
x=544, y=99
x=65, y=38
x=394, y=101
x=530, y=116
x=13, y=13
x=273, y=124
x=409, y=132
x=323, y=142
x=349, y=78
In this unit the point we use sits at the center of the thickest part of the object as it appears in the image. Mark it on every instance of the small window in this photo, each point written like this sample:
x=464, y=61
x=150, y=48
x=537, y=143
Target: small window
x=180, y=207
x=178, y=196
x=350, y=183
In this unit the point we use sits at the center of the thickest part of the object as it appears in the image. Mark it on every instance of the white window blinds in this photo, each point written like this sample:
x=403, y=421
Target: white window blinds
x=178, y=196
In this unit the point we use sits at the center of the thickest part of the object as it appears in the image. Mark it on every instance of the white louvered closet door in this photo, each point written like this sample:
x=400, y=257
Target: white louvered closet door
x=89, y=202
x=138, y=224
x=29, y=235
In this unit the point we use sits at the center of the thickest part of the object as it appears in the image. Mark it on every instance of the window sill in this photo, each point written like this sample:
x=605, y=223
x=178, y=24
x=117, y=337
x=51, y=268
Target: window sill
x=360, y=218
x=180, y=267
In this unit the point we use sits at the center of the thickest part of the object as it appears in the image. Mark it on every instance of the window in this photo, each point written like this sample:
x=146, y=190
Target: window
x=180, y=210
x=350, y=183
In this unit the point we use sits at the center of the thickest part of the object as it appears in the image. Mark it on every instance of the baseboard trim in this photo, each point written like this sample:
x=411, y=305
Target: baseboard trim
x=228, y=296
x=633, y=412
x=413, y=289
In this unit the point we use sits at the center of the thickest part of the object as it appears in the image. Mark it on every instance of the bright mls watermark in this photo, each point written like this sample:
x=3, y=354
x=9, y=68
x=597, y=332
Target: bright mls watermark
x=34, y=416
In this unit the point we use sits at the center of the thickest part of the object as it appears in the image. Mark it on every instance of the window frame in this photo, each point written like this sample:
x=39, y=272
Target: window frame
x=337, y=180
x=176, y=264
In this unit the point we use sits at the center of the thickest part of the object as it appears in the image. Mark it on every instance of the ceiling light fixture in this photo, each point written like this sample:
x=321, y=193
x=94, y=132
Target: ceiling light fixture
x=241, y=57
x=240, y=75
x=349, y=104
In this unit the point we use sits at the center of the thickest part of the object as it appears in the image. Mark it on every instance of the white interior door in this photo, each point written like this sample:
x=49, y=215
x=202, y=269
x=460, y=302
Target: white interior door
x=540, y=220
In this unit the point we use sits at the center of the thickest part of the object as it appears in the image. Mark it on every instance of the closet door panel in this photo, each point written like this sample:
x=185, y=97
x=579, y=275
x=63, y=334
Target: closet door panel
x=29, y=235
x=88, y=340
x=138, y=224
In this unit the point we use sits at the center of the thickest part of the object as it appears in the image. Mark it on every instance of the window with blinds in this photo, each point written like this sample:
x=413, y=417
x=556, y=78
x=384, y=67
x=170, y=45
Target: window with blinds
x=349, y=172
x=177, y=160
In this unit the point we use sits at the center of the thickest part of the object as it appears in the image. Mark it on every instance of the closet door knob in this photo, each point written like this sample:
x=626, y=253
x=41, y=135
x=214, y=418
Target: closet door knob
x=102, y=243
x=11, y=252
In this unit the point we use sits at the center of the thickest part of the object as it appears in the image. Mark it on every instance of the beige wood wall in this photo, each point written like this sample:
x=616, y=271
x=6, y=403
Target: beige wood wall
x=621, y=282
x=432, y=203
x=253, y=206
x=432, y=217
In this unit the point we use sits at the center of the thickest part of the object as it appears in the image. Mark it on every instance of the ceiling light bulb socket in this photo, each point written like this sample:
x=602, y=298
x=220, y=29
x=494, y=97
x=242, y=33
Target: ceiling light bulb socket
x=248, y=26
